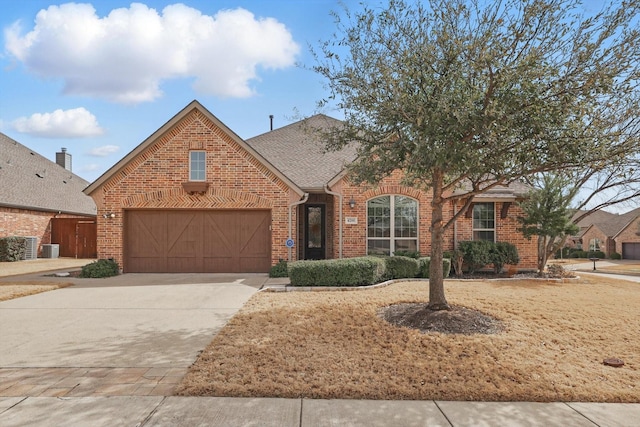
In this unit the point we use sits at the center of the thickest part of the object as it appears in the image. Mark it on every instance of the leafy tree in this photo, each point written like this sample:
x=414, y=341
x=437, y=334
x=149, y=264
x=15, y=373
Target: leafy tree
x=548, y=215
x=466, y=95
x=552, y=210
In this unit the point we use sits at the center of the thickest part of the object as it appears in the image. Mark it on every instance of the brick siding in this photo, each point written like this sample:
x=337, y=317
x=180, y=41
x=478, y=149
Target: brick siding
x=355, y=235
x=153, y=180
x=595, y=233
x=29, y=223
x=631, y=234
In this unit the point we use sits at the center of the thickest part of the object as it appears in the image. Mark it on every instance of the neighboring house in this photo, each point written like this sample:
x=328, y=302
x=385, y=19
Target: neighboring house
x=195, y=197
x=43, y=199
x=609, y=233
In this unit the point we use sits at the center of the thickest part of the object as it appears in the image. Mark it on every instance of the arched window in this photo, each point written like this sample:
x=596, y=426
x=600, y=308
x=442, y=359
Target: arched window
x=392, y=225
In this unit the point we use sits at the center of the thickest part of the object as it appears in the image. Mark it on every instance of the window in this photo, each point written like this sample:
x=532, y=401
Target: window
x=484, y=221
x=197, y=171
x=594, y=245
x=392, y=225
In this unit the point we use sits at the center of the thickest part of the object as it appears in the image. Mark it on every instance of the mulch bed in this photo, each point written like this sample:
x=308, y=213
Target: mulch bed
x=457, y=320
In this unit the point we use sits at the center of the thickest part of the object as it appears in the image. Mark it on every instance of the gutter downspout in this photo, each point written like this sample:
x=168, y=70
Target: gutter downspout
x=326, y=189
x=299, y=202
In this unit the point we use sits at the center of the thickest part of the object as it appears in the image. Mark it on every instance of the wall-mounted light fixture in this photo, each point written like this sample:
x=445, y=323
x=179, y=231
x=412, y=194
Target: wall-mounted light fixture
x=110, y=215
x=352, y=203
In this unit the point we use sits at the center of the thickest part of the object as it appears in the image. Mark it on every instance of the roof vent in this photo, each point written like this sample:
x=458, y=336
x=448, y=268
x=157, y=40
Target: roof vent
x=64, y=159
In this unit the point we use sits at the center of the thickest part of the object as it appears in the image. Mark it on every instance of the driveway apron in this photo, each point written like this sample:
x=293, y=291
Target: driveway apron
x=129, y=335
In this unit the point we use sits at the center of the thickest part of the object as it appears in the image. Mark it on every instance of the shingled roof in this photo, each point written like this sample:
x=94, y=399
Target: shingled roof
x=298, y=152
x=614, y=224
x=30, y=181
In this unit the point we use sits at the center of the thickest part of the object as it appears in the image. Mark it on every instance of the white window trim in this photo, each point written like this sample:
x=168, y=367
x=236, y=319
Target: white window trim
x=473, y=222
x=205, y=165
x=392, y=219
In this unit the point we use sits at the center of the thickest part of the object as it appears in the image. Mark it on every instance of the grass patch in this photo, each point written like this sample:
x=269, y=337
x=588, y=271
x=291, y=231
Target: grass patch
x=11, y=290
x=334, y=345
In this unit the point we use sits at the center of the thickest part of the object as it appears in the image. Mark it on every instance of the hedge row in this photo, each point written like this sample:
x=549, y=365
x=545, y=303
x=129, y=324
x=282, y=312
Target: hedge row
x=12, y=248
x=359, y=271
x=578, y=253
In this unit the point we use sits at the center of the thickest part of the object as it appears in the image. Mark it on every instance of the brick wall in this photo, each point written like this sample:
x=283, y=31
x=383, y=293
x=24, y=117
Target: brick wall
x=153, y=180
x=355, y=235
x=631, y=234
x=595, y=233
x=29, y=223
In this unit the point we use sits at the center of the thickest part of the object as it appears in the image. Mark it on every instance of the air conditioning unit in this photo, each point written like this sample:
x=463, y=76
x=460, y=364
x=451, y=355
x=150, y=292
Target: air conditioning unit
x=50, y=251
x=32, y=248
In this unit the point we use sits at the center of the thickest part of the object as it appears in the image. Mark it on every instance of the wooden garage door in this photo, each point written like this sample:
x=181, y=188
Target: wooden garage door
x=631, y=251
x=180, y=241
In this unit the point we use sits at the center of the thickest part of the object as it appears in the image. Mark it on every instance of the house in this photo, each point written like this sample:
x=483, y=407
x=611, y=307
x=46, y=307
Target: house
x=44, y=199
x=195, y=197
x=611, y=233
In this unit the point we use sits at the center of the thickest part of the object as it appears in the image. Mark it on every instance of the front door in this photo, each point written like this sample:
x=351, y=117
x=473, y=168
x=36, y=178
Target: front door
x=314, y=232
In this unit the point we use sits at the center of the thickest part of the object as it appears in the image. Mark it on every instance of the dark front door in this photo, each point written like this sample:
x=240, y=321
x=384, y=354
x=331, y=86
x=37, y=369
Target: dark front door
x=314, y=232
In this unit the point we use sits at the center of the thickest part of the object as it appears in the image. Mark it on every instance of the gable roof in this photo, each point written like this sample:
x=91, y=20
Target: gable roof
x=31, y=181
x=298, y=151
x=598, y=216
x=193, y=105
x=609, y=223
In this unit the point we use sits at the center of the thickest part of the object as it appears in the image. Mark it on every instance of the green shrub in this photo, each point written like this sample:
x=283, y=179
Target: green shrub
x=564, y=252
x=615, y=255
x=12, y=248
x=400, y=267
x=410, y=254
x=476, y=254
x=502, y=253
x=100, y=268
x=425, y=264
x=595, y=254
x=578, y=254
x=337, y=272
x=279, y=270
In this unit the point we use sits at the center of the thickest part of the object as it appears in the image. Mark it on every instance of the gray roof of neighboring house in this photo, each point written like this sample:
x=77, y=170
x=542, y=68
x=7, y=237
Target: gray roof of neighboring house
x=594, y=217
x=30, y=181
x=299, y=153
x=609, y=223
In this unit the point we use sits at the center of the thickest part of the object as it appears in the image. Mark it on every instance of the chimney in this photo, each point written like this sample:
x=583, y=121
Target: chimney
x=271, y=121
x=64, y=159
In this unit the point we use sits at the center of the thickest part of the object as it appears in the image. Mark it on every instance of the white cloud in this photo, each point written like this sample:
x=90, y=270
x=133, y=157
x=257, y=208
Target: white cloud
x=104, y=151
x=125, y=56
x=75, y=123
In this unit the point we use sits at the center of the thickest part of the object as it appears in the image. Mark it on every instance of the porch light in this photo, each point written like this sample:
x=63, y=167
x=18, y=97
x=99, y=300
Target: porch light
x=110, y=215
x=352, y=203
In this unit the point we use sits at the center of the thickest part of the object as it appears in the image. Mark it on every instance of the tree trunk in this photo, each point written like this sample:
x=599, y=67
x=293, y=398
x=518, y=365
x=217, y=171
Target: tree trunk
x=542, y=253
x=437, y=300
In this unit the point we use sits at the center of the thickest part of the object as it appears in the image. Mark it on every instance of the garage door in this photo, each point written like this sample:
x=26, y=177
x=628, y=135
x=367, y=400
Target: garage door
x=179, y=241
x=631, y=250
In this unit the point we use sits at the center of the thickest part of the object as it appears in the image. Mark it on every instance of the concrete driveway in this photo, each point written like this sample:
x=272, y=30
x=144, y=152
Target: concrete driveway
x=134, y=334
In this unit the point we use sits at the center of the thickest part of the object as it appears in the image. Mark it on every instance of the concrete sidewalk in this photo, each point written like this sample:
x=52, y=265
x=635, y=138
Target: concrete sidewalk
x=265, y=412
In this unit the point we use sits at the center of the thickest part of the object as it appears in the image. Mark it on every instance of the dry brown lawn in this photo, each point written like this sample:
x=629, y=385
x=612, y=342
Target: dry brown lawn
x=11, y=290
x=334, y=345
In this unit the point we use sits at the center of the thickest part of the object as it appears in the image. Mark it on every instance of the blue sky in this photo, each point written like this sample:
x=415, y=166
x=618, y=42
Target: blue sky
x=100, y=77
